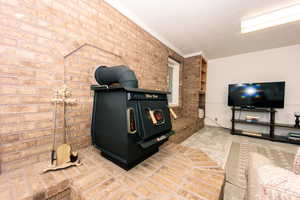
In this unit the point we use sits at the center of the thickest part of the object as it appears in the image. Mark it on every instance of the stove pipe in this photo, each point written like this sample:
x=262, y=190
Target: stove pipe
x=116, y=74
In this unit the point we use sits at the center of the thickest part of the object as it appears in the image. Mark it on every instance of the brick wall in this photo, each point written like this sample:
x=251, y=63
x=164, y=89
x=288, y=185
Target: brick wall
x=35, y=37
x=191, y=81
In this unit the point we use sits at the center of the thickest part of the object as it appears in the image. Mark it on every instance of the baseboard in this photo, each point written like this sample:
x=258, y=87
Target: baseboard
x=215, y=126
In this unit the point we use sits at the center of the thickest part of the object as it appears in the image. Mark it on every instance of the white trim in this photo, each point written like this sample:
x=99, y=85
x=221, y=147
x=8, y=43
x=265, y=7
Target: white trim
x=115, y=4
x=193, y=54
x=175, y=82
x=204, y=56
x=196, y=54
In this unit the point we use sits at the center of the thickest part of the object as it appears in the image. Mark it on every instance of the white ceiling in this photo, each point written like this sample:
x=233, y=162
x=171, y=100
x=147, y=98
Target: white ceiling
x=209, y=26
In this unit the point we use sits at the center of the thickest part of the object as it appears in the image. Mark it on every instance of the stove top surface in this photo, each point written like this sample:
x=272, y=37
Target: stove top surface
x=101, y=87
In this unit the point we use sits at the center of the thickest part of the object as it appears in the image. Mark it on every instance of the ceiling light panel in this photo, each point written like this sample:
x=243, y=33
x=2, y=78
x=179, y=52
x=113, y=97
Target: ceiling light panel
x=277, y=17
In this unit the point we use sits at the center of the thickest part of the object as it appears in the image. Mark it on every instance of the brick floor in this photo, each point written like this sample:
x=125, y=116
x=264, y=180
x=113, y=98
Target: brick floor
x=175, y=172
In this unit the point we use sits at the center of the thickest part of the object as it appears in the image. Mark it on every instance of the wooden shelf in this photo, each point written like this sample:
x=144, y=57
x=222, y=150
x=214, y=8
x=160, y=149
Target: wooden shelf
x=202, y=83
x=203, y=74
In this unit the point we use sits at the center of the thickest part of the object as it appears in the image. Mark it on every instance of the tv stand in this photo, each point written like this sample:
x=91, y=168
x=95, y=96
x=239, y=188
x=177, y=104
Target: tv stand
x=271, y=124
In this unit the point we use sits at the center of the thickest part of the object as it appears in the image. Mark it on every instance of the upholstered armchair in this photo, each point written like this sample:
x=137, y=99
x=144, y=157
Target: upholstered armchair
x=269, y=182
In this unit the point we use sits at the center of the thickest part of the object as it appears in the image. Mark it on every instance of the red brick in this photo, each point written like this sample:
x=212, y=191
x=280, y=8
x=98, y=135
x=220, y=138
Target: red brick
x=9, y=80
x=18, y=108
x=9, y=99
x=9, y=138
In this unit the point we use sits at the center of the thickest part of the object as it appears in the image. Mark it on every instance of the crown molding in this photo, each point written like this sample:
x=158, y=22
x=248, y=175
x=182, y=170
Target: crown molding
x=193, y=54
x=115, y=4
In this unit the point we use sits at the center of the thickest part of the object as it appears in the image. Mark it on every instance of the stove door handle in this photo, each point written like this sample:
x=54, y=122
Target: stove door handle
x=154, y=121
x=161, y=139
x=131, y=124
x=173, y=113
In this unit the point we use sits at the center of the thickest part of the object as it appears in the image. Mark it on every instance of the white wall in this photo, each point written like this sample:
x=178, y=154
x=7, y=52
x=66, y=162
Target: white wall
x=282, y=64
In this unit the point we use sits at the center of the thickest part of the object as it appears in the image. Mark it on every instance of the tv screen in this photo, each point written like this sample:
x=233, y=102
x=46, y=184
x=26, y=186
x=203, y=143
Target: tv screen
x=259, y=95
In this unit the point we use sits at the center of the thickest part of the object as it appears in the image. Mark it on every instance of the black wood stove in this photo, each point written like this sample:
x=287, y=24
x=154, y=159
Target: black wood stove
x=129, y=124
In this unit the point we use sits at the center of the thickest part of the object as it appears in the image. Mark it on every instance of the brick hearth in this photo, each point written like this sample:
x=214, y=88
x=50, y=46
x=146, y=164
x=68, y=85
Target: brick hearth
x=176, y=172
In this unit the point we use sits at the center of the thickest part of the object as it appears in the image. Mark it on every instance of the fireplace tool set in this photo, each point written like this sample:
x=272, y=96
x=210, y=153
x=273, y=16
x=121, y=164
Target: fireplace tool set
x=63, y=157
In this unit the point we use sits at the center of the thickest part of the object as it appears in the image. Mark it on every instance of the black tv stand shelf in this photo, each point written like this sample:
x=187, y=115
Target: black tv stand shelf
x=253, y=123
x=253, y=109
x=287, y=126
x=271, y=124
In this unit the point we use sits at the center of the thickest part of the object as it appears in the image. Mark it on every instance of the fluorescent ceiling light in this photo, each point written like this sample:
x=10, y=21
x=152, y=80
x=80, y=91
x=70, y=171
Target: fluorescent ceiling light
x=277, y=17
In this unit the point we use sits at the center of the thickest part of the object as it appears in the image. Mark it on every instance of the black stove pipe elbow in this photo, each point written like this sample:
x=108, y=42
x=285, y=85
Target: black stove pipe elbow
x=116, y=74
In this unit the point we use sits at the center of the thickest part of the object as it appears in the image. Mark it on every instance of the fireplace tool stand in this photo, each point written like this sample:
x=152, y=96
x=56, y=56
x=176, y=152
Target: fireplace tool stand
x=62, y=157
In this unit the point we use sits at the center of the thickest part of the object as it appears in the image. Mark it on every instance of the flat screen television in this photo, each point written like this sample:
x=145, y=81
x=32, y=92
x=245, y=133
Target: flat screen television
x=258, y=95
